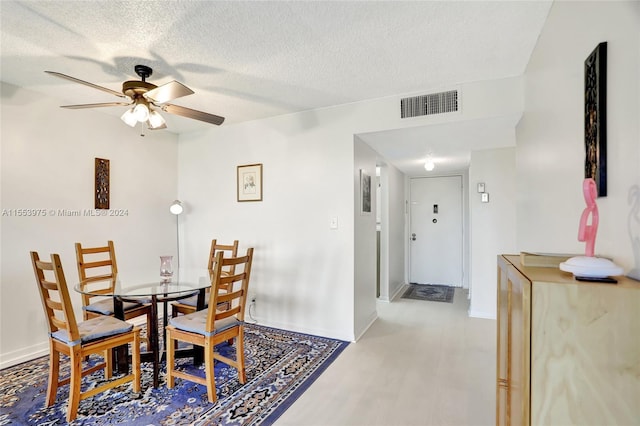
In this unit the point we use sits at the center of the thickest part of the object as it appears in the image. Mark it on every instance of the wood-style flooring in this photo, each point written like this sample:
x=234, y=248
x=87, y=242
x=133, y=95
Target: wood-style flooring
x=420, y=363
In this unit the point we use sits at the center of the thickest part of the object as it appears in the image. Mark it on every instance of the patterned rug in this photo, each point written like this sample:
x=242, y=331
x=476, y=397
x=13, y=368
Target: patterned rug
x=430, y=292
x=280, y=366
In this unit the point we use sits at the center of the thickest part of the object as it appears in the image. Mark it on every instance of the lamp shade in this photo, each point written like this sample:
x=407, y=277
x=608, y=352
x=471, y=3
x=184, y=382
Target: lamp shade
x=129, y=117
x=141, y=111
x=156, y=121
x=176, y=207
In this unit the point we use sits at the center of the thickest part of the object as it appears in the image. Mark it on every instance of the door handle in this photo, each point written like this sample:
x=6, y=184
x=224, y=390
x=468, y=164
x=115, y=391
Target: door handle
x=413, y=237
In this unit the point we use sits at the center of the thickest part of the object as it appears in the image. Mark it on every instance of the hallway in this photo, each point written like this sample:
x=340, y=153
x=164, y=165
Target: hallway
x=420, y=363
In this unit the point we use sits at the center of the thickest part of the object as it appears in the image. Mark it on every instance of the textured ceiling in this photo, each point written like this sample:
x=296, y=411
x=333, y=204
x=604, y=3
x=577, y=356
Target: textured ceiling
x=250, y=60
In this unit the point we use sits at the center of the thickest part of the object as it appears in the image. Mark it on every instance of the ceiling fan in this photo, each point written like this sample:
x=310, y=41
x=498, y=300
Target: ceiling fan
x=141, y=96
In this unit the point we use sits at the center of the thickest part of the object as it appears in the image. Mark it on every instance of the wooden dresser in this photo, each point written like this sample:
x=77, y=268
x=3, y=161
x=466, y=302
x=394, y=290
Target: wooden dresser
x=568, y=351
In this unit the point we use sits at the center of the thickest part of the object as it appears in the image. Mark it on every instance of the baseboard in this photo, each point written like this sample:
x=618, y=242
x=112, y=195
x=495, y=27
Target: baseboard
x=331, y=334
x=480, y=314
x=372, y=318
x=401, y=288
x=23, y=355
x=383, y=299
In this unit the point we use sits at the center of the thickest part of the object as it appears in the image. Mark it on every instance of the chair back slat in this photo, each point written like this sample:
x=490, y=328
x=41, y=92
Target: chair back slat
x=55, y=305
x=225, y=303
x=97, y=267
x=95, y=250
x=98, y=264
x=55, y=296
x=60, y=324
x=49, y=286
x=47, y=266
x=231, y=250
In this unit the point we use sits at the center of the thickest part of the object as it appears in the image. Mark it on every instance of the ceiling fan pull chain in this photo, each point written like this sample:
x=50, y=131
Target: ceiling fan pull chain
x=142, y=129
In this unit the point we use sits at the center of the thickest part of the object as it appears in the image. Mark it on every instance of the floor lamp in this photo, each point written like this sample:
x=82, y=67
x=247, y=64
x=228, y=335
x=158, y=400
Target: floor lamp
x=176, y=208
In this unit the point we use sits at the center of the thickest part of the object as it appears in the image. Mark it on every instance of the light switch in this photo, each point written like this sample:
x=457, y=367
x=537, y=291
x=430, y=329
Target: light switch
x=333, y=222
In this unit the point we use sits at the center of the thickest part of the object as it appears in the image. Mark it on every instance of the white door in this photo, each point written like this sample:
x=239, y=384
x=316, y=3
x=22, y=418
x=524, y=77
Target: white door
x=436, y=230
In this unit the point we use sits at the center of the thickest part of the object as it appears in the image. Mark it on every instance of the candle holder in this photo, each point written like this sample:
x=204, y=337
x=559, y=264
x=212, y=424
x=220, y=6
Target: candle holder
x=166, y=268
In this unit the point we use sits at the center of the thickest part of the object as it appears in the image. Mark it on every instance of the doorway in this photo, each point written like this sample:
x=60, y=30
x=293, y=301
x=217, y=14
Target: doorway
x=436, y=231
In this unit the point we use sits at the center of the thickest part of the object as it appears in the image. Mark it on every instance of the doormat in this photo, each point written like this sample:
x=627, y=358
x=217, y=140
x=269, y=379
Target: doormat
x=430, y=292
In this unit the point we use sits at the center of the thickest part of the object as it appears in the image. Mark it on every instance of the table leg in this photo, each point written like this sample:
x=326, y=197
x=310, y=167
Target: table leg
x=165, y=322
x=121, y=353
x=153, y=340
x=198, y=351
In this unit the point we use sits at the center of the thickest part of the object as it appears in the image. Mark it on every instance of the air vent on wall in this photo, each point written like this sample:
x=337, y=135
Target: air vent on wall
x=434, y=103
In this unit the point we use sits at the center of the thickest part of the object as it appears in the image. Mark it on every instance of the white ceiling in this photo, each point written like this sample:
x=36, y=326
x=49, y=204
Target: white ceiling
x=256, y=59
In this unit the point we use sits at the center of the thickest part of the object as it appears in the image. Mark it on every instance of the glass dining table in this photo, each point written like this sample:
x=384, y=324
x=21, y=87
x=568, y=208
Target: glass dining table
x=147, y=287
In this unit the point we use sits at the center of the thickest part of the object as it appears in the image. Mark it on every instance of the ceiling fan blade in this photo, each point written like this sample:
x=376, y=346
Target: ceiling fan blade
x=106, y=104
x=168, y=92
x=192, y=113
x=86, y=83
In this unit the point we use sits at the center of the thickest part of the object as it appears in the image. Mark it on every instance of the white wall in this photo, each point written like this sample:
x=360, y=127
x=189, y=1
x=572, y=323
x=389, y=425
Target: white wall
x=393, y=233
x=493, y=224
x=304, y=272
x=48, y=163
x=397, y=233
x=550, y=136
x=365, y=258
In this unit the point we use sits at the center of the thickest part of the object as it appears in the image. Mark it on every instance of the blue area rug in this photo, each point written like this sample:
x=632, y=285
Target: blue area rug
x=280, y=366
x=430, y=292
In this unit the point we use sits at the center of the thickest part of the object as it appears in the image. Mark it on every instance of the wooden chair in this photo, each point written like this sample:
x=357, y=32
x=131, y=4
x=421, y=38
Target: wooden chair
x=214, y=325
x=189, y=305
x=79, y=340
x=97, y=267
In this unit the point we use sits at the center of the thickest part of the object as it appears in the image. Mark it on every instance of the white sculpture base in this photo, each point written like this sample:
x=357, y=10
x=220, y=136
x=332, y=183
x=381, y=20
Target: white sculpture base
x=592, y=267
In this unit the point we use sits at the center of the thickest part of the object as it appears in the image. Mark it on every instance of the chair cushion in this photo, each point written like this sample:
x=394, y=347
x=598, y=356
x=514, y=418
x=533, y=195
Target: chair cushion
x=193, y=301
x=105, y=306
x=94, y=329
x=195, y=323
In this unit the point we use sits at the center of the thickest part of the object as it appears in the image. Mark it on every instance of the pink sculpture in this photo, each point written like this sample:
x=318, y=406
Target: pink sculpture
x=589, y=267
x=587, y=231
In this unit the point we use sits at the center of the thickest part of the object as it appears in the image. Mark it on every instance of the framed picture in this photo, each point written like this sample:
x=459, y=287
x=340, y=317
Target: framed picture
x=365, y=193
x=595, y=117
x=101, y=191
x=250, y=182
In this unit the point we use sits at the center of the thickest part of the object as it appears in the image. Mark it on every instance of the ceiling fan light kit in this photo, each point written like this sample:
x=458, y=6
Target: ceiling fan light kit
x=129, y=118
x=141, y=111
x=156, y=121
x=142, y=96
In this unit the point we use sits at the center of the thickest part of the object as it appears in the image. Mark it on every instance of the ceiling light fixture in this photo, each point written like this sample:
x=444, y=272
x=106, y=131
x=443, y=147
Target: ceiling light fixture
x=129, y=118
x=140, y=96
x=429, y=165
x=141, y=111
x=156, y=121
